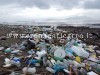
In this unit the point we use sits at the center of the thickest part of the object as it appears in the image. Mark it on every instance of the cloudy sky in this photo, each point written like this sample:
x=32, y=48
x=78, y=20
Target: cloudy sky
x=35, y=10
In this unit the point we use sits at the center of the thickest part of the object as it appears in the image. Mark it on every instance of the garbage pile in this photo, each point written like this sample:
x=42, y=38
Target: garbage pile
x=72, y=58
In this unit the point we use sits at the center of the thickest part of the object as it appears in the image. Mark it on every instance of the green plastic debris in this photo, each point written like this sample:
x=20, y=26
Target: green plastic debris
x=57, y=58
x=75, y=44
x=8, y=50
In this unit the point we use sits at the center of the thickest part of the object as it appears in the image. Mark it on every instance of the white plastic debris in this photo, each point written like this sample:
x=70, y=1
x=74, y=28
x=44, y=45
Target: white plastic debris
x=18, y=64
x=70, y=62
x=59, y=62
x=38, y=58
x=76, y=64
x=59, y=53
x=98, y=51
x=53, y=49
x=93, y=59
x=32, y=41
x=80, y=51
x=49, y=63
x=83, y=71
x=29, y=70
x=50, y=70
x=67, y=71
x=15, y=51
x=80, y=45
x=7, y=62
x=53, y=61
x=66, y=63
x=91, y=73
x=69, y=44
x=41, y=53
x=37, y=64
x=1, y=48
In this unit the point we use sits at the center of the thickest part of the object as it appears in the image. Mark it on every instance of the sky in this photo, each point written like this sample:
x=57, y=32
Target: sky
x=39, y=10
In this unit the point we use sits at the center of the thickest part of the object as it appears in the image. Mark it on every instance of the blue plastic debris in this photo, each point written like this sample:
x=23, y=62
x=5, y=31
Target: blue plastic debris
x=32, y=61
x=58, y=67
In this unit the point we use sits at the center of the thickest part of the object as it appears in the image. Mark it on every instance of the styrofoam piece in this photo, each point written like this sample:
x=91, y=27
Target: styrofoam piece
x=29, y=70
x=91, y=73
x=59, y=53
x=50, y=70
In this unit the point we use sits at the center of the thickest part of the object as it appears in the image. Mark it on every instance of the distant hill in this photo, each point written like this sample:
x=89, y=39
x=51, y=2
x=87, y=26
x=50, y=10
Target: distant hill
x=74, y=19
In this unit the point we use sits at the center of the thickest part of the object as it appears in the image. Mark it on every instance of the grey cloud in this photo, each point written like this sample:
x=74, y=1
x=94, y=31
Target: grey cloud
x=42, y=4
x=7, y=2
x=92, y=4
x=46, y=4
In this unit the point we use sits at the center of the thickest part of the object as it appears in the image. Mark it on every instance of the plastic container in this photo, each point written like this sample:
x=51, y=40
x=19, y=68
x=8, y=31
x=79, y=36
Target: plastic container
x=80, y=51
x=17, y=59
x=8, y=50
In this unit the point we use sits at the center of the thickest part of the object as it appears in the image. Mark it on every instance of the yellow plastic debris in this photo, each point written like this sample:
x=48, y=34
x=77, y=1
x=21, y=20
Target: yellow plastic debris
x=87, y=66
x=94, y=56
x=78, y=59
